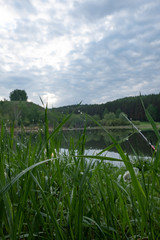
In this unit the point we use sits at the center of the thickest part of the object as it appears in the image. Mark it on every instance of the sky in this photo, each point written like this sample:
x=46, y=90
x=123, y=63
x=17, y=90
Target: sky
x=68, y=51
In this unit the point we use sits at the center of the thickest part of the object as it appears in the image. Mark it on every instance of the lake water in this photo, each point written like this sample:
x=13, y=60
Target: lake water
x=97, y=140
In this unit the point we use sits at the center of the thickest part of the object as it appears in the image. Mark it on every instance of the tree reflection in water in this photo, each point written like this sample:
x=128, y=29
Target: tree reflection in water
x=98, y=139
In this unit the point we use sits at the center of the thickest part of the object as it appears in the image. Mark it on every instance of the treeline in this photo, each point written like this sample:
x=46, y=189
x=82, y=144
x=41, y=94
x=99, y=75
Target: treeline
x=108, y=114
x=132, y=106
x=26, y=113
x=21, y=111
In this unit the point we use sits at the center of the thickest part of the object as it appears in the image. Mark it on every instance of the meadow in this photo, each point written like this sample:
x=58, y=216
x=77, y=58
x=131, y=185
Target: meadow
x=46, y=194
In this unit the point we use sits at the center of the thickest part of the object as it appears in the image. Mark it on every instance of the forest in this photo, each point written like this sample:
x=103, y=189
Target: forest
x=107, y=114
x=132, y=106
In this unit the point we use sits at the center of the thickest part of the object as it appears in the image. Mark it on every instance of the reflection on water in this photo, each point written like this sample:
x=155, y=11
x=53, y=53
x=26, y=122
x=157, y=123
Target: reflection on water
x=99, y=139
x=93, y=152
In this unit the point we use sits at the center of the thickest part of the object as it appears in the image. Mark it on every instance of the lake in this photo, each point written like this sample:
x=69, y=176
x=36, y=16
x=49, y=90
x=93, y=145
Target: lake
x=97, y=140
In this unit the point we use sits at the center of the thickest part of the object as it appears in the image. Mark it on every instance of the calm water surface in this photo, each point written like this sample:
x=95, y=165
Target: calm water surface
x=97, y=140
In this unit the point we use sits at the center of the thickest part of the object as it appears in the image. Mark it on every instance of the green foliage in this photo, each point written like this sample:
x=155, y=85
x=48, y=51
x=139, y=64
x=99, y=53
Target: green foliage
x=18, y=95
x=49, y=194
x=109, y=114
x=76, y=121
x=27, y=113
x=111, y=119
x=153, y=110
x=130, y=105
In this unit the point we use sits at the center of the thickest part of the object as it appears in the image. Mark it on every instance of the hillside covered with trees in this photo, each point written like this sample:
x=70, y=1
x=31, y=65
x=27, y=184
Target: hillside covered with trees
x=109, y=114
x=132, y=106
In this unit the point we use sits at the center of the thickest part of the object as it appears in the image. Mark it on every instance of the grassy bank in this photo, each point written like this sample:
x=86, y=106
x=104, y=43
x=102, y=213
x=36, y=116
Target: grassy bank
x=46, y=194
x=147, y=125
x=140, y=125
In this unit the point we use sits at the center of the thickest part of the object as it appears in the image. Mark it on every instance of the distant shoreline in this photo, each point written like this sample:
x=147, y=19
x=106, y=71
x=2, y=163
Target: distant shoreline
x=141, y=126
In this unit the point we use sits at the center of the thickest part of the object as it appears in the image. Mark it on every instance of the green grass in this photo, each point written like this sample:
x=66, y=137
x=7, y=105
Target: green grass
x=147, y=125
x=46, y=194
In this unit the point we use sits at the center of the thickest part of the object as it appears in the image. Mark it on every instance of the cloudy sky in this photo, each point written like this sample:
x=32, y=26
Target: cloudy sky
x=69, y=51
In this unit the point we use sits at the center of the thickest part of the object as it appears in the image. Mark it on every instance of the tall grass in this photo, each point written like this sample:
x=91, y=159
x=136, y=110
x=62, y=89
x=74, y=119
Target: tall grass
x=46, y=194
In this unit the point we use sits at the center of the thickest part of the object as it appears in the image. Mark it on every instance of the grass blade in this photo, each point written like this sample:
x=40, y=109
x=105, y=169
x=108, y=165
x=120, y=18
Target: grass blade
x=17, y=177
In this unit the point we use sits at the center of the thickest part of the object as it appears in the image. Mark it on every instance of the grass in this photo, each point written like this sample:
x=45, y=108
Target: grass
x=147, y=125
x=46, y=194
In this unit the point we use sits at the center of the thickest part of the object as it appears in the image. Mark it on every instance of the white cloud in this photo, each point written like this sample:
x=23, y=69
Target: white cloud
x=68, y=51
x=49, y=99
x=8, y=17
